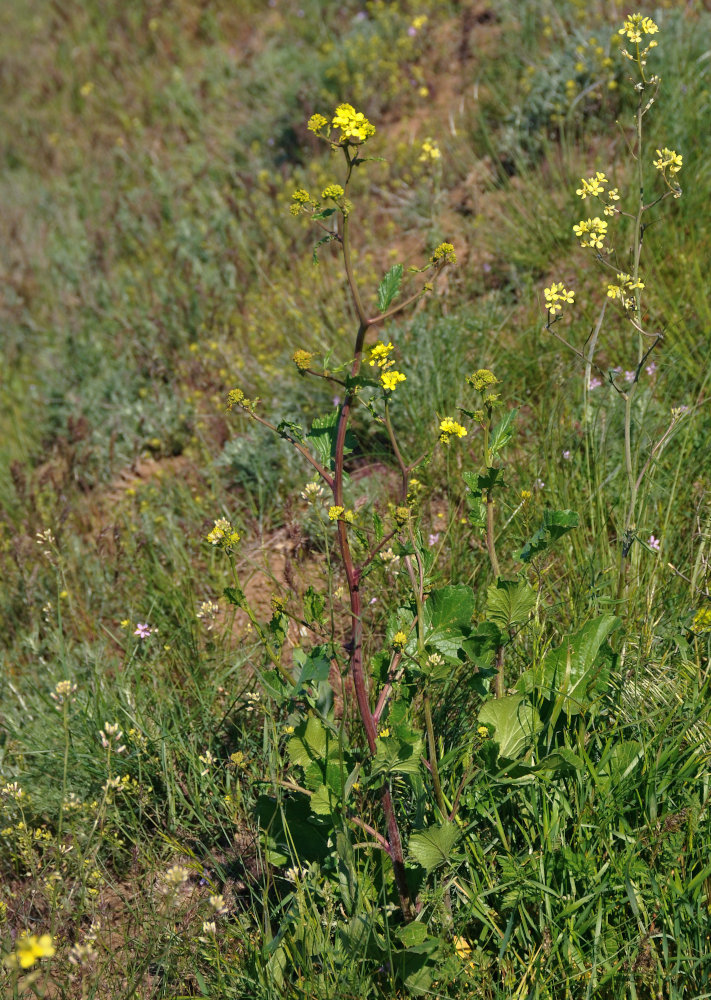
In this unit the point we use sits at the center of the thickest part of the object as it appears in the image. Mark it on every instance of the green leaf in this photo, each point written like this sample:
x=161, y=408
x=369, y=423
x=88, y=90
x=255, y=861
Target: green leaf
x=509, y=602
x=577, y=671
x=311, y=742
x=378, y=527
x=328, y=238
x=323, y=437
x=394, y=755
x=502, y=434
x=325, y=213
x=412, y=934
x=315, y=666
x=556, y=523
x=291, y=431
x=450, y=607
x=477, y=483
x=235, y=595
x=432, y=847
x=516, y=723
x=389, y=287
x=314, y=603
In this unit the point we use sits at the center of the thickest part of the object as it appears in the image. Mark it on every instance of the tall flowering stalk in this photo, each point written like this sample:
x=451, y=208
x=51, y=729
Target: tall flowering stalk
x=345, y=133
x=625, y=289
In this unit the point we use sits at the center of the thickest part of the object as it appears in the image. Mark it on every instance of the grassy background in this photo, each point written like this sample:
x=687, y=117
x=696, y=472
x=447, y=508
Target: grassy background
x=148, y=263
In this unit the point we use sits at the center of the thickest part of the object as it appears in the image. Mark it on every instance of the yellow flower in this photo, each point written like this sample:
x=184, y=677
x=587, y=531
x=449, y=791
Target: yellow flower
x=316, y=123
x=594, y=186
x=669, y=160
x=86, y=88
x=555, y=295
x=355, y=127
x=383, y=734
x=591, y=232
x=637, y=25
x=462, y=947
x=483, y=732
x=482, y=379
x=450, y=428
x=391, y=379
x=430, y=151
x=302, y=360
x=28, y=949
x=702, y=620
x=399, y=640
x=223, y=534
x=379, y=355
x=335, y=512
x=443, y=254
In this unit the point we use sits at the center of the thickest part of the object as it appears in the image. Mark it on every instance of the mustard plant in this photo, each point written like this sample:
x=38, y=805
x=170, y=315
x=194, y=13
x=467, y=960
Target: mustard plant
x=626, y=287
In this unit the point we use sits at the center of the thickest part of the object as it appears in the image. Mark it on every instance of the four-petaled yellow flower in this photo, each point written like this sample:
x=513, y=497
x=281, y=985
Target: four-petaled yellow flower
x=355, y=127
x=449, y=428
x=555, y=295
x=591, y=232
x=593, y=186
x=669, y=160
x=391, y=379
x=637, y=25
x=28, y=949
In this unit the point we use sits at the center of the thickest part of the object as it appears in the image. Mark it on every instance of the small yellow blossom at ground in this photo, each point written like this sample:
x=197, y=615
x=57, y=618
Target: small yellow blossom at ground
x=334, y=191
x=637, y=25
x=379, y=355
x=430, y=151
x=223, y=534
x=419, y=22
x=316, y=123
x=302, y=360
x=483, y=732
x=28, y=948
x=450, y=428
x=384, y=733
x=391, y=379
x=443, y=254
x=86, y=88
x=668, y=159
x=399, y=640
x=355, y=127
x=218, y=904
x=591, y=232
x=555, y=295
x=526, y=495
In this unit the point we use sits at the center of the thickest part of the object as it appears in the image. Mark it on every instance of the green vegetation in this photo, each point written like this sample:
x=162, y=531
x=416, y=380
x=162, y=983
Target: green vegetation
x=318, y=681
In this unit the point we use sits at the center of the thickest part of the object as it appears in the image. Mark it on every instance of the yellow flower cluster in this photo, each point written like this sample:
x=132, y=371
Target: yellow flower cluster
x=430, y=151
x=390, y=379
x=556, y=295
x=443, y=254
x=316, y=123
x=591, y=232
x=621, y=291
x=379, y=355
x=28, y=949
x=668, y=160
x=301, y=201
x=223, y=534
x=399, y=640
x=235, y=397
x=302, y=360
x=337, y=513
x=482, y=379
x=637, y=25
x=355, y=127
x=449, y=428
x=593, y=185
x=334, y=191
